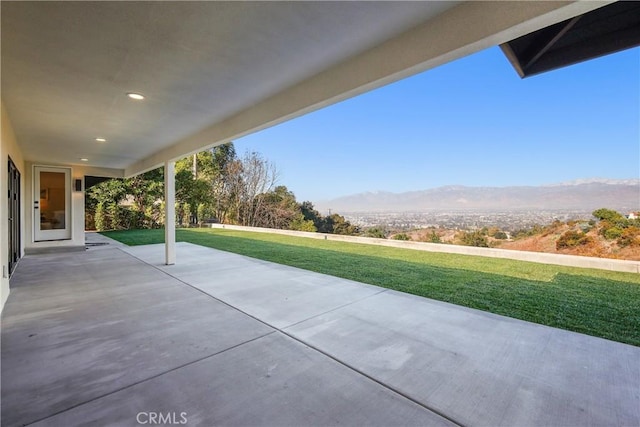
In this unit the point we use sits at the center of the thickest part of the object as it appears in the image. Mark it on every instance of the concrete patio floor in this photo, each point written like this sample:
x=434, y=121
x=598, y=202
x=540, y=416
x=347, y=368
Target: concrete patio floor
x=111, y=336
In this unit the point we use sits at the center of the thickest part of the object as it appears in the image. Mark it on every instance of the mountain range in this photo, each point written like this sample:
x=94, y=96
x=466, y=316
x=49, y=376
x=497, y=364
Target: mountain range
x=584, y=194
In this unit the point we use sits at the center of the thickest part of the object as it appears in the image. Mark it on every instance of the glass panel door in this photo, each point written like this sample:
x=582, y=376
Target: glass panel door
x=13, y=181
x=52, y=203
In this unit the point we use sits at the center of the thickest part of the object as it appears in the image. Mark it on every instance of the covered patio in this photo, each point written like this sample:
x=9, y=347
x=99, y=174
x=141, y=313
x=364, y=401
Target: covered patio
x=113, y=336
x=115, y=89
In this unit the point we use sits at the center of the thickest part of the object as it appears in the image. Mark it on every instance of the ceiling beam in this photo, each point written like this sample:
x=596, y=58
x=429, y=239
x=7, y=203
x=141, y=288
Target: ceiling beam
x=586, y=49
x=534, y=56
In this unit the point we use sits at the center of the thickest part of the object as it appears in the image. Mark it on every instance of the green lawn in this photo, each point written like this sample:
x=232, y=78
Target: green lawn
x=595, y=302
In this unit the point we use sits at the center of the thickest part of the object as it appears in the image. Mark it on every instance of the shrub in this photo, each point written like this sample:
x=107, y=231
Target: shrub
x=113, y=211
x=401, y=236
x=131, y=218
x=377, y=232
x=475, y=238
x=522, y=233
x=434, y=238
x=299, y=223
x=186, y=214
x=612, y=223
x=161, y=215
x=491, y=232
x=149, y=218
x=201, y=212
x=552, y=228
x=89, y=220
x=572, y=239
x=100, y=218
x=612, y=233
x=611, y=216
x=179, y=214
x=501, y=235
x=630, y=237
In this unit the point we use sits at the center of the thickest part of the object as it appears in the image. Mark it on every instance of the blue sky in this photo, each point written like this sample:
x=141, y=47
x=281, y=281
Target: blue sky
x=471, y=122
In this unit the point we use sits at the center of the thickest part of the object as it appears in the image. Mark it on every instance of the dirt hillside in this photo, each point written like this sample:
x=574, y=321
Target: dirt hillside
x=572, y=238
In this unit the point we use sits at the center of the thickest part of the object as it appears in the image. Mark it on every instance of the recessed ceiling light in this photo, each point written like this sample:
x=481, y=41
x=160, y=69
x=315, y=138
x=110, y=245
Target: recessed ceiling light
x=101, y=140
x=136, y=96
x=84, y=159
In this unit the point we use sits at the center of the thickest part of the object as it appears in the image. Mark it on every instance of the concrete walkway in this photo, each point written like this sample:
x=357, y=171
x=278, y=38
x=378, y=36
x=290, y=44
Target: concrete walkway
x=111, y=336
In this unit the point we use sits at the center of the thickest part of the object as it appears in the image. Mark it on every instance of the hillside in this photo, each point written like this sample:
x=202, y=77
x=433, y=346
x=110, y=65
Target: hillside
x=587, y=195
x=598, y=246
x=585, y=238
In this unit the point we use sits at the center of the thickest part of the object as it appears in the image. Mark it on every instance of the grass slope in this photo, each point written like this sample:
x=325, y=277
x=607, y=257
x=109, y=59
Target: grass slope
x=595, y=302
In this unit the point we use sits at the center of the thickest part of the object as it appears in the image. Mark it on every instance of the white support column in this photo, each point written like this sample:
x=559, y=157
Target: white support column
x=170, y=213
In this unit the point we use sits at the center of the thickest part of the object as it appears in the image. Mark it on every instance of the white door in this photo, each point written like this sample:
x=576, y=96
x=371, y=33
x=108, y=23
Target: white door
x=52, y=203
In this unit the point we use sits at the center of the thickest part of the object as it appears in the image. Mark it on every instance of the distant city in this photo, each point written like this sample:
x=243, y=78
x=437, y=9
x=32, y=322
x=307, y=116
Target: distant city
x=510, y=221
x=468, y=208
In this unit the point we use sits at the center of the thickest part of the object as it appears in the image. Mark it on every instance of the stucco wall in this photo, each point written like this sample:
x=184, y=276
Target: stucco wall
x=8, y=149
x=77, y=207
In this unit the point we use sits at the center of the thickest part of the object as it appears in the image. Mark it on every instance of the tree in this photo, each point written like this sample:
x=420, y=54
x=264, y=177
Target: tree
x=195, y=180
x=208, y=181
x=341, y=226
x=609, y=215
x=311, y=214
x=224, y=170
x=247, y=181
x=143, y=191
x=201, y=212
x=179, y=213
x=98, y=197
x=109, y=191
x=332, y=224
x=378, y=232
x=146, y=188
x=186, y=209
x=299, y=223
x=278, y=209
x=192, y=192
x=214, y=182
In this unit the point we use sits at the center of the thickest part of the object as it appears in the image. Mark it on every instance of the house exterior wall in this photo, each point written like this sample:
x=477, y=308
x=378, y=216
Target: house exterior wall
x=77, y=207
x=9, y=148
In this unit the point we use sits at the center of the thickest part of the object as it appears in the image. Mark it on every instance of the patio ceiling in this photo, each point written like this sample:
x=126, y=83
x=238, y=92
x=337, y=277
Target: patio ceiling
x=214, y=71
